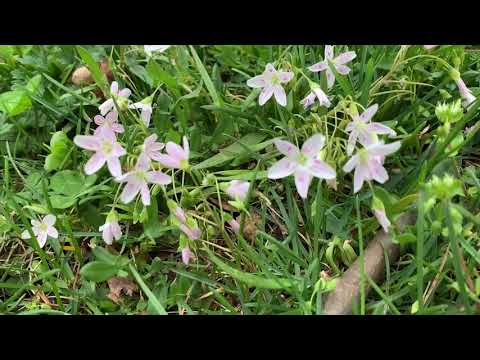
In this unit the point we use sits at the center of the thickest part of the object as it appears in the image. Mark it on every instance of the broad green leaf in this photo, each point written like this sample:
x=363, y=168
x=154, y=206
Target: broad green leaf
x=98, y=271
x=59, y=147
x=33, y=84
x=14, y=102
x=68, y=182
x=160, y=76
x=61, y=201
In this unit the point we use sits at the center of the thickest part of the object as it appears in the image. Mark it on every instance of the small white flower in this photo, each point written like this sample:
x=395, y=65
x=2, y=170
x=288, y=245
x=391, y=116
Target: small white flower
x=153, y=48
x=271, y=83
x=111, y=229
x=42, y=229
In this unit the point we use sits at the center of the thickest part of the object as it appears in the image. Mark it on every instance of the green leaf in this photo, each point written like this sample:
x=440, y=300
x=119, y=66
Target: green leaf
x=34, y=84
x=68, y=182
x=61, y=201
x=103, y=255
x=14, y=102
x=206, y=78
x=59, y=147
x=98, y=271
x=233, y=151
x=160, y=76
x=250, y=279
x=97, y=74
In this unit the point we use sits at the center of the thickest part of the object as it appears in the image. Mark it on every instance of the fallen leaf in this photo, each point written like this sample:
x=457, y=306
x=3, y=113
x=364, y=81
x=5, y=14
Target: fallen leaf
x=117, y=284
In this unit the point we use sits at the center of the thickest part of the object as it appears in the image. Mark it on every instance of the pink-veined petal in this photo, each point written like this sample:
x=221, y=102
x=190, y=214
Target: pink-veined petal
x=186, y=255
x=106, y=106
x=281, y=169
x=116, y=230
x=380, y=129
x=377, y=171
x=87, y=142
x=280, y=95
x=308, y=100
x=342, y=69
x=330, y=78
x=313, y=145
x=180, y=214
x=52, y=232
x=168, y=161
x=107, y=235
x=175, y=151
x=143, y=163
x=367, y=115
x=150, y=140
x=320, y=66
x=352, y=139
x=193, y=234
x=238, y=189
x=265, y=95
x=257, y=82
x=286, y=148
x=114, y=88
x=145, y=193
x=322, y=97
x=146, y=115
x=234, y=225
x=383, y=150
x=113, y=164
x=125, y=93
x=361, y=174
x=95, y=163
x=49, y=219
x=382, y=219
x=42, y=239
x=157, y=177
x=99, y=119
x=345, y=57
x=321, y=170
x=285, y=76
x=130, y=191
x=118, y=128
x=302, y=181
x=351, y=163
x=112, y=116
x=328, y=52
x=269, y=68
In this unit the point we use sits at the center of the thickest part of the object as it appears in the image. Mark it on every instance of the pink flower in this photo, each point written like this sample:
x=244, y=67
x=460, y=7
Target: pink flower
x=186, y=254
x=111, y=229
x=180, y=214
x=138, y=179
x=152, y=48
x=379, y=212
x=368, y=163
x=318, y=93
x=146, y=111
x=270, y=82
x=106, y=148
x=176, y=157
x=188, y=226
x=238, y=189
x=193, y=233
x=465, y=93
x=109, y=123
x=303, y=164
x=121, y=97
x=234, y=225
x=338, y=62
x=151, y=148
x=365, y=131
x=42, y=229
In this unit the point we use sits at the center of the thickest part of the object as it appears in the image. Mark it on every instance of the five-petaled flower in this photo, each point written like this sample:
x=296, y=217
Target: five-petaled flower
x=42, y=229
x=111, y=229
x=368, y=163
x=176, y=156
x=303, y=164
x=106, y=148
x=121, y=97
x=364, y=131
x=338, y=62
x=238, y=189
x=138, y=179
x=108, y=123
x=153, y=48
x=271, y=83
x=151, y=148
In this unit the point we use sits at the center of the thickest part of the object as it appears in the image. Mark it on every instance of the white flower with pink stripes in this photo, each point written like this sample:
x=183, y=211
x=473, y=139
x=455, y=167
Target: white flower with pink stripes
x=338, y=62
x=271, y=83
x=120, y=96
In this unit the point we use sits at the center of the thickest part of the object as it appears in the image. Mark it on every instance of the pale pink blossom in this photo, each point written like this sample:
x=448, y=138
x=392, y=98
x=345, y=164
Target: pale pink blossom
x=109, y=123
x=151, y=148
x=121, y=97
x=146, y=113
x=193, y=233
x=176, y=157
x=304, y=164
x=111, y=229
x=271, y=83
x=364, y=131
x=187, y=226
x=180, y=214
x=42, y=229
x=238, y=189
x=382, y=219
x=316, y=93
x=153, y=48
x=338, y=62
x=368, y=163
x=107, y=150
x=234, y=225
x=186, y=255
x=465, y=93
x=138, y=179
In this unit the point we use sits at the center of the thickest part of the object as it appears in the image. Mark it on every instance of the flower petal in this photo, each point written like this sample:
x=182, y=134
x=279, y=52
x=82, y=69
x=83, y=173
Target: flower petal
x=286, y=148
x=361, y=174
x=321, y=170
x=94, y=164
x=25, y=235
x=107, y=234
x=186, y=147
x=175, y=151
x=382, y=219
x=186, y=255
x=116, y=230
x=350, y=164
x=125, y=93
x=302, y=182
x=352, y=139
x=130, y=191
x=328, y=52
x=99, y=119
x=322, y=97
x=52, y=232
x=380, y=129
x=342, y=69
x=308, y=100
x=114, y=88
x=265, y=95
x=42, y=239
x=113, y=164
x=285, y=76
x=280, y=95
x=87, y=142
x=257, y=82
x=383, y=150
x=330, y=78
x=281, y=169
x=145, y=193
x=313, y=145
x=168, y=161
x=377, y=171
x=369, y=113
x=320, y=66
x=146, y=115
x=157, y=177
x=345, y=57
x=49, y=219
x=106, y=106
